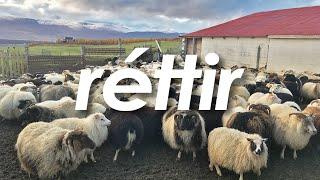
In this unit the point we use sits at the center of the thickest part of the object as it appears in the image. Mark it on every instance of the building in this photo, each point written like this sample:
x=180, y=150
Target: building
x=279, y=40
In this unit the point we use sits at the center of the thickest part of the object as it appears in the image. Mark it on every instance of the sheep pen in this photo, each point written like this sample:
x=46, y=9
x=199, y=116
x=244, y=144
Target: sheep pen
x=155, y=160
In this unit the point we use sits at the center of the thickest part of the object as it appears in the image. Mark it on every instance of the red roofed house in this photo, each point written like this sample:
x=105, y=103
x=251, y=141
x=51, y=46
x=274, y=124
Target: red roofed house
x=280, y=39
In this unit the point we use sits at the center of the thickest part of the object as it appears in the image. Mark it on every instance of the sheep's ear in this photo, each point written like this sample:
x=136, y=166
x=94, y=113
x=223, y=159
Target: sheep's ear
x=299, y=115
x=265, y=139
x=251, y=106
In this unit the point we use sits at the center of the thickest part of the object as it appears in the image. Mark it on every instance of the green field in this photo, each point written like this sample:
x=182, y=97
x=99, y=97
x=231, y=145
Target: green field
x=172, y=47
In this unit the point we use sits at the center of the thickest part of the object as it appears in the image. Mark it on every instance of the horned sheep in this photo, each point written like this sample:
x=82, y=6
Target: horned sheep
x=50, y=151
x=184, y=131
x=291, y=128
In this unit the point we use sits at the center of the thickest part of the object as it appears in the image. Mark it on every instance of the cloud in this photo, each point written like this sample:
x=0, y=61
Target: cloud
x=136, y=15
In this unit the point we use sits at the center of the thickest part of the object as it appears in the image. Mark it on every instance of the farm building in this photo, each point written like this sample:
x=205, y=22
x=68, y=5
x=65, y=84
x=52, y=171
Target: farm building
x=279, y=40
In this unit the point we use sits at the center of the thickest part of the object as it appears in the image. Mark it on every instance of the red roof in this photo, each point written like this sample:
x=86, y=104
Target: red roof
x=296, y=21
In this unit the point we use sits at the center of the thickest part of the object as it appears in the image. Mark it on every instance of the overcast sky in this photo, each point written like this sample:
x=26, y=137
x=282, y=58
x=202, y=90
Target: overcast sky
x=143, y=15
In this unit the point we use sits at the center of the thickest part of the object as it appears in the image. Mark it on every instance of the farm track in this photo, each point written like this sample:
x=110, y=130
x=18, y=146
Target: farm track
x=155, y=160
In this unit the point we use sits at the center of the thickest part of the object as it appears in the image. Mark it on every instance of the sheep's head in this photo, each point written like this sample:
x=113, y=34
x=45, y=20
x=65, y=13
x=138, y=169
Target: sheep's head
x=260, y=108
x=186, y=120
x=100, y=119
x=78, y=140
x=307, y=122
x=257, y=145
x=36, y=113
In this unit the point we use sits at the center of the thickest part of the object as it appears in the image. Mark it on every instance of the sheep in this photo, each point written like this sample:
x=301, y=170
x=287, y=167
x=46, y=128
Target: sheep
x=50, y=151
x=236, y=151
x=266, y=99
x=241, y=91
x=35, y=113
x=95, y=125
x=235, y=101
x=28, y=87
x=14, y=104
x=55, y=92
x=278, y=88
x=310, y=91
x=126, y=131
x=256, y=121
x=184, y=131
x=291, y=128
x=229, y=112
x=294, y=85
x=65, y=107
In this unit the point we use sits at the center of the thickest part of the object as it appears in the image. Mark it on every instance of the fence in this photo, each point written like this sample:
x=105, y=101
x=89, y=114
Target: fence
x=12, y=62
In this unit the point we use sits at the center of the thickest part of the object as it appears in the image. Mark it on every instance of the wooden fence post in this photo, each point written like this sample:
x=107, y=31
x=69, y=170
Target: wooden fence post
x=120, y=46
x=26, y=59
x=83, y=56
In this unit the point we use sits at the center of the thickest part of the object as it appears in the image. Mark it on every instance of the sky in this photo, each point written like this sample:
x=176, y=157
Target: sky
x=142, y=15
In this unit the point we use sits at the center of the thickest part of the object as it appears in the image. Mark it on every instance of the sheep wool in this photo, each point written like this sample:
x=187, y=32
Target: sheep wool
x=291, y=128
x=50, y=151
x=14, y=103
x=236, y=151
x=95, y=125
x=184, y=131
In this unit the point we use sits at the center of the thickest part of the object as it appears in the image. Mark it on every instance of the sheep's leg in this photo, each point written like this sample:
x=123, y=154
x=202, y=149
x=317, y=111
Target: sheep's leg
x=116, y=155
x=218, y=170
x=295, y=154
x=85, y=159
x=133, y=153
x=194, y=155
x=92, y=157
x=241, y=176
x=179, y=156
x=258, y=172
x=282, y=152
x=211, y=166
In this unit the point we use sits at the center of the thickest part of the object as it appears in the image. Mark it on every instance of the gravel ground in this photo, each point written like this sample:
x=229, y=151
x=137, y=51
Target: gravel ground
x=155, y=160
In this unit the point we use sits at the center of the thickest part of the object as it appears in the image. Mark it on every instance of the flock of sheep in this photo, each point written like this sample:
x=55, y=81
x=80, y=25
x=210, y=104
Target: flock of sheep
x=263, y=109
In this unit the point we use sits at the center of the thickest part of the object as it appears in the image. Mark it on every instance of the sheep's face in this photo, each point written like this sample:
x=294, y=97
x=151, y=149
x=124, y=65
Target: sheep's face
x=186, y=120
x=79, y=140
x=257, y=145
x=101, y=120
x=307, y=123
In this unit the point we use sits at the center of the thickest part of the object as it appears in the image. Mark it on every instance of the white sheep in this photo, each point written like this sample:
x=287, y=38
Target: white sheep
x=65, y=108
x=14, y=103
x=236, y=151
x=95, y=125
x=266, y=99
x=50, y=151
x=310, y=91
x=291, y=128
x=241, y=91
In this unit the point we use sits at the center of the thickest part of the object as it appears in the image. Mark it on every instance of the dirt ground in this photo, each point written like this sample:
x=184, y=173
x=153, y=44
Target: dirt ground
x=155, y=160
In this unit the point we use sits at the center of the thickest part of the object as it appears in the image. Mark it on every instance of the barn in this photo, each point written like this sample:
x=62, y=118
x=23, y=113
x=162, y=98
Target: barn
x=278, y=40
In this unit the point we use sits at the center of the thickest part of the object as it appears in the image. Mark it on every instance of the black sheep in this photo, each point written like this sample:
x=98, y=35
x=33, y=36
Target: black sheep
x=284, y=97
x=126, y=131
x=294, y=85
x=257, y=121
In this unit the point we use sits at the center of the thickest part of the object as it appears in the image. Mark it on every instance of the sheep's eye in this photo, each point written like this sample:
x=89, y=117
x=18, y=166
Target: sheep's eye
x=101, y=119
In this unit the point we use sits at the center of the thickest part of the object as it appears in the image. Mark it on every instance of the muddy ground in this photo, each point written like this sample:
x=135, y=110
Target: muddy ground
x=155, y=160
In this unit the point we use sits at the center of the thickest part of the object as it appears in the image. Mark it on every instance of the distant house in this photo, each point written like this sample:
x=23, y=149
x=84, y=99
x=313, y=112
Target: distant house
x=280, y=40
x=68, y=39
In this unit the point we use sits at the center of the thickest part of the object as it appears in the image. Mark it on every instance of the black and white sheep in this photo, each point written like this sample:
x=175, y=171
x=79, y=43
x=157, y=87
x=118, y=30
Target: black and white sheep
x=126, y=131
x=50, y=151
x=184, y=131
x=236, y=151
x=14, y=104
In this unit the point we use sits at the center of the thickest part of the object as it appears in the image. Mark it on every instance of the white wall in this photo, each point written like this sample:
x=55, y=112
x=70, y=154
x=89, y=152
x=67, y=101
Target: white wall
x=236, y=51
x=296, y=54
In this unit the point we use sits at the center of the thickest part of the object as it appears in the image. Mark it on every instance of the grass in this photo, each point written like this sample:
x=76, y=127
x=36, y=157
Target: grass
x=173, y=47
